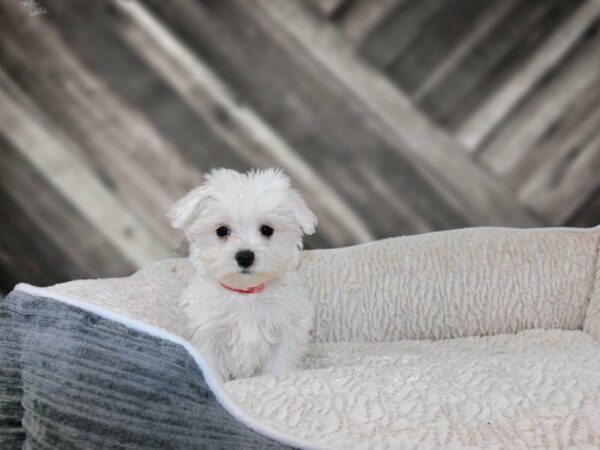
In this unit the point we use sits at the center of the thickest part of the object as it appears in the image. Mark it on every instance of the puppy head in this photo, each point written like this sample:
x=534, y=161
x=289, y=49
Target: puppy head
x=244, y=228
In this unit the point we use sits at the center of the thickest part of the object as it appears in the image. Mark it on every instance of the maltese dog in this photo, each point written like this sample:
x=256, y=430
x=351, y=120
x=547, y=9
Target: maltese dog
x=247, y=308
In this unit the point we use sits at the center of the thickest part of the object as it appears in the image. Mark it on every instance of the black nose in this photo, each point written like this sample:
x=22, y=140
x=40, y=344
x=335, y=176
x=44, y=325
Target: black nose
x=244, y=258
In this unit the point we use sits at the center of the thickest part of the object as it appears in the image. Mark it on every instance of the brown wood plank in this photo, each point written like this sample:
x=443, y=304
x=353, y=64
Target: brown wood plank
x=44, y=240
x=549, y=117
x=548, y=58
x=309, y=109
x=503, y=52
x=455, y=177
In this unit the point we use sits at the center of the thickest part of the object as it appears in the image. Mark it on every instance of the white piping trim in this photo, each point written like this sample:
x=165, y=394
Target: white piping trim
x=211, y=380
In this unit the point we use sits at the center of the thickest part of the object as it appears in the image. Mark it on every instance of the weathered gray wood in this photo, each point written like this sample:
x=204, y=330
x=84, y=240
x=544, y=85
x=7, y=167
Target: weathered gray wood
x=328, y=7
x=569, y=175
x=588, y=213
x=463, y=183
x=244, y=131
x=205, y=121
x=56, y=158
x=438, y=35
x=397, y=30
x=311, y=110
x=142, y=96
x=24, y=259
x=549, y=115
x=361, y=15
x=482, y=121
x=114, y=140
x=492, y=62
x=44, y=239
x=493, y=14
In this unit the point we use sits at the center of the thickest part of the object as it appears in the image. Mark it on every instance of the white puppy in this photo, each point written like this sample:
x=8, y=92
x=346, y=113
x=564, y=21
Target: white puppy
x=247, y=308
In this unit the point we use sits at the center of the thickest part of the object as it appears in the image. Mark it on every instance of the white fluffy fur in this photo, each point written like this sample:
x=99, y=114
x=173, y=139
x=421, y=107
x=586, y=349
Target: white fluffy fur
x=246, y=334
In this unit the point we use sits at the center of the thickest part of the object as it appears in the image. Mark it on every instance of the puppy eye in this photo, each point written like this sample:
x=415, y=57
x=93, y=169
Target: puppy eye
x=266, y=230
x=222, y=231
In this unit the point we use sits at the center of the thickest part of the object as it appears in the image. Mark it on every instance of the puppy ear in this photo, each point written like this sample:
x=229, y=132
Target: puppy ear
x=305, y=217
x=184, y=209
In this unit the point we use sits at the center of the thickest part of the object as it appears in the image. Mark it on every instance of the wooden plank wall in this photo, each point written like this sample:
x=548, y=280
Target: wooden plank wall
x=393, y=117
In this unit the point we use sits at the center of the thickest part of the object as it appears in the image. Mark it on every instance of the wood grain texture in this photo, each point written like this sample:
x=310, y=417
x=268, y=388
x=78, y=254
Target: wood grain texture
x=588, y=212
x=40, y=227
x=427, y=147
x=394, y=32
x=239, y=126
x=197, y=114
x=436, y=37
x=360, y=16
x=310, y=108
x=483, y=120
x=329, y=7
x=549, y=117
x=391, y=116
x=504, y=52
x=56, y=160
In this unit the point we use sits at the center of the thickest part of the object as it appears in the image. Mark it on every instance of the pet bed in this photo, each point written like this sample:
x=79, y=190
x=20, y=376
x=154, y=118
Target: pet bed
x=474, y=338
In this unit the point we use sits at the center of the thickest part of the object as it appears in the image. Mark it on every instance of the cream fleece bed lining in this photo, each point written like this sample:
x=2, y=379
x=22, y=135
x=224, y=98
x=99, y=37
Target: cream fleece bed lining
x=535, y=389
x=524, y=388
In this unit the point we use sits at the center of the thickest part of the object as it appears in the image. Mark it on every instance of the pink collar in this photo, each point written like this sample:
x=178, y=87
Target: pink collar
x=251, y=290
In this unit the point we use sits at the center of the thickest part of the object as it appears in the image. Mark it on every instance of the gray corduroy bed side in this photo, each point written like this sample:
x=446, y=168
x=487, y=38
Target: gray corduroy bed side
x=73, y=379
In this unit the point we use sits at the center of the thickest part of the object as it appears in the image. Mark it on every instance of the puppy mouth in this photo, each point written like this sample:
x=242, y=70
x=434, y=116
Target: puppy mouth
x=246, y=271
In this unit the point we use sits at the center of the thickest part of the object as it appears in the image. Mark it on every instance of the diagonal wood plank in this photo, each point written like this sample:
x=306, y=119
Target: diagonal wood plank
x=115, y=140
x=588, y=213
x=550, y=115
x=483, y=120
x=396, y=30
x=144, y=67
x=65, y=247
x=494, y=60
x=328, y=7
x=201, y=88
x=312, y=111
x=361, y=15
x=569, y=174
x=434, y=40
x=494, y=13
x=53, y=156
x=482, y=199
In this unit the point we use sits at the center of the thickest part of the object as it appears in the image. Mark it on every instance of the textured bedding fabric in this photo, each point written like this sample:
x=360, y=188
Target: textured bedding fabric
x=475, y=338
x=535, y=389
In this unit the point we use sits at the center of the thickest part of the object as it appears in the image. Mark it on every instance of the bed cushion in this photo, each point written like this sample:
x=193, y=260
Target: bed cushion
x=475, y=338
x=534, y=389
x=467, y=282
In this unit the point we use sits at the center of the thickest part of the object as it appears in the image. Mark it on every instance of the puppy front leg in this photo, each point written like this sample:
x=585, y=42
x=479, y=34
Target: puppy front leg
x=283, y=360
x=288, y=358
